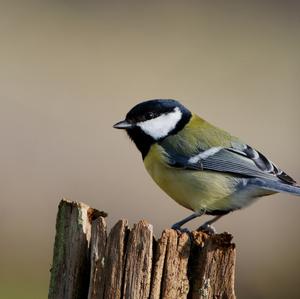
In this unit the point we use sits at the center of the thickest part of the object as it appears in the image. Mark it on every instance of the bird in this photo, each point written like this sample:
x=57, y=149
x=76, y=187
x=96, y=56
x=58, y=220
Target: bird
x=200, y=166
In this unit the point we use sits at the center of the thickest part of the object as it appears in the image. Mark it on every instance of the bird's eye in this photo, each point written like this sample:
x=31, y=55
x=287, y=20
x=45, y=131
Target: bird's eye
x=150, y=115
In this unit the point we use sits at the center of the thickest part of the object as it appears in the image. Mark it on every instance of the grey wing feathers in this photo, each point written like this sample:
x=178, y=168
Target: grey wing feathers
x=239, y=160
x=263, y=163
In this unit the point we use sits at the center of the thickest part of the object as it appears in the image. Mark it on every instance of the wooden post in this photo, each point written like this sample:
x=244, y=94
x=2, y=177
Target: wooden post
x=129, y=263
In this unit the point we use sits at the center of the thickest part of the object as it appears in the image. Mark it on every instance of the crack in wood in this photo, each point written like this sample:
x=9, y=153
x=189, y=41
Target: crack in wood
x=129, y=263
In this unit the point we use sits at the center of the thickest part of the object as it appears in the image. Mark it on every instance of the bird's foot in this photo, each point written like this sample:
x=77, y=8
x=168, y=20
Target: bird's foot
x=180, y=229
x=207, y=228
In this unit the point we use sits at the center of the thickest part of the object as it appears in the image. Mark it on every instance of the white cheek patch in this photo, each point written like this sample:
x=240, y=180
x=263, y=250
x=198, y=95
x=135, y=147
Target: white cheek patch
x=162, y=125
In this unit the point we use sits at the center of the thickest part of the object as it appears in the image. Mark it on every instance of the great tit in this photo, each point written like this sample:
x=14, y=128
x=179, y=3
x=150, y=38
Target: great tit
x=200, y=166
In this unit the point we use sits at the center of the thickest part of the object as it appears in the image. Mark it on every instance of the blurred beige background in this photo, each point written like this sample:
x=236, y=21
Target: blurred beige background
x=71, y=69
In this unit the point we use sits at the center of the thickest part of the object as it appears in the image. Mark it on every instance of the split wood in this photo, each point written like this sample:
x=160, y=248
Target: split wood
x=89, y=262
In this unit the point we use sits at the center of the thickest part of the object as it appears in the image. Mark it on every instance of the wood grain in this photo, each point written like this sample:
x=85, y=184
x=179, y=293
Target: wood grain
x=97, y=247
x=71, y=260
x=89, y=263
x=115, y=260
x=212, y=266
x=138, y=261
x=170, y=266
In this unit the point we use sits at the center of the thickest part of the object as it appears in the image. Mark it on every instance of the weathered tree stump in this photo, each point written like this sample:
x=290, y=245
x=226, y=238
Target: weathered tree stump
x=129, y=263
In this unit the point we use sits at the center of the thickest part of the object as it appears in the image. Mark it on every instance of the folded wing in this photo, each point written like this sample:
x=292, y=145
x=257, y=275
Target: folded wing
x=240, y=159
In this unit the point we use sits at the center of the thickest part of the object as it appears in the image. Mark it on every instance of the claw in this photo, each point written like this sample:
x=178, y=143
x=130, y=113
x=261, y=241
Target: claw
x=207, y=228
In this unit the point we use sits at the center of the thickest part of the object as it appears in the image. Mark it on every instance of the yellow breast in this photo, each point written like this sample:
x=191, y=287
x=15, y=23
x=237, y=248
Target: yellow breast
x=194, y=190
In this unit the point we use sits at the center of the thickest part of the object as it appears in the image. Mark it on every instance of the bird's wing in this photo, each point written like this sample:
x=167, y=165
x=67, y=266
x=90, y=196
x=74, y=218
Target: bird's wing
x=239, y=159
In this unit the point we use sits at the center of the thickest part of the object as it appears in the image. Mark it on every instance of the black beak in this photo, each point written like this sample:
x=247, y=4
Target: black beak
x=124, y=124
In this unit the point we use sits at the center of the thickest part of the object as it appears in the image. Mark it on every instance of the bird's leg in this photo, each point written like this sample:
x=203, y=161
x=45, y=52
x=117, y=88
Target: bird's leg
x=207, y=226
x=178, y=224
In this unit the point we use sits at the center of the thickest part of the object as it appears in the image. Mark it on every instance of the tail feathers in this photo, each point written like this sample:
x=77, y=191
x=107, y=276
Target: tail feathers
x=277, y=186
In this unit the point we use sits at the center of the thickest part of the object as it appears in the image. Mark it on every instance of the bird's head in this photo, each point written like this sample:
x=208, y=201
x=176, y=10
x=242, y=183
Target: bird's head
x=154, y=120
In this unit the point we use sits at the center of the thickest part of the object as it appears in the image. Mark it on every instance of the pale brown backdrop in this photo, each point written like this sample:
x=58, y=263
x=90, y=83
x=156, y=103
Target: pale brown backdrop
x=70, y=69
